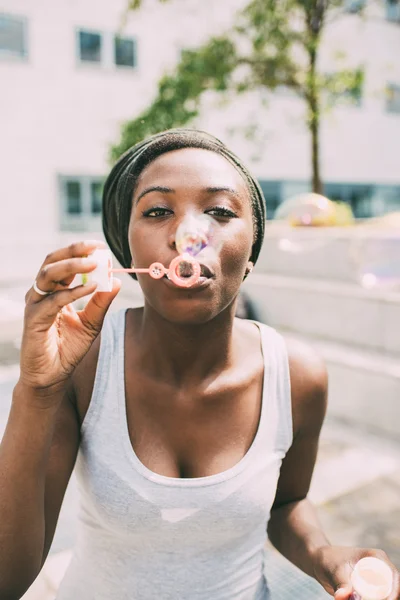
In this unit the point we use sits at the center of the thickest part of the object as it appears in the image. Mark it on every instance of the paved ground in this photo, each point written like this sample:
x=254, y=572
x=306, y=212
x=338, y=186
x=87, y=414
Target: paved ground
x=356, y=488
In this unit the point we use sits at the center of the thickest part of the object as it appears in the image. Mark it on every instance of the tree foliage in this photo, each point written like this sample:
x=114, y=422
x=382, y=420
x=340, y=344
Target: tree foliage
x=271, y=44
x=178, y=98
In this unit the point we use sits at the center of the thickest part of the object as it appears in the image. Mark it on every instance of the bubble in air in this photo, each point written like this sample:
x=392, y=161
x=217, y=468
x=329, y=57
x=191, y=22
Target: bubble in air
x=307, y=210
x=300, y=222
x=384, y=274
x=377, y=260
x=196, y=233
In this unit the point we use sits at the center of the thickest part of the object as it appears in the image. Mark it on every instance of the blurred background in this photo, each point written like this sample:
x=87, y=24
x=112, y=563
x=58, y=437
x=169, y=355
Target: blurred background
x=307, y=93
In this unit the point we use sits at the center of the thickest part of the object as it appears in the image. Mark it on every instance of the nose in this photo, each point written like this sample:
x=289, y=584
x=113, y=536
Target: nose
x=183, y=217
x=172, y=239
x=185, y=226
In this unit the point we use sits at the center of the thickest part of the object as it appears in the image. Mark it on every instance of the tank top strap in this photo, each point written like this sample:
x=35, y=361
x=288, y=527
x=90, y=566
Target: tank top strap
x=277, y=393
x=104, y=399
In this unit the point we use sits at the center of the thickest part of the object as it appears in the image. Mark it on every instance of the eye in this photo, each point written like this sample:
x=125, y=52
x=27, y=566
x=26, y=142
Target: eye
x=156, y=211
x=221, y=211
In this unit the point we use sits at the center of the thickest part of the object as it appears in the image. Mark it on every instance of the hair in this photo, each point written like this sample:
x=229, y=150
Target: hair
x=122, y=180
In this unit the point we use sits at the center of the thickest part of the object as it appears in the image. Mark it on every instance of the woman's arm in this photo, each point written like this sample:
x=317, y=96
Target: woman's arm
x=37, y=455
x=294, y=528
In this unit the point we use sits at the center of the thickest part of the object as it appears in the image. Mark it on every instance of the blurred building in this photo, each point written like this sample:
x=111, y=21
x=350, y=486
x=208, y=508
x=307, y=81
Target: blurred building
x=72, y=71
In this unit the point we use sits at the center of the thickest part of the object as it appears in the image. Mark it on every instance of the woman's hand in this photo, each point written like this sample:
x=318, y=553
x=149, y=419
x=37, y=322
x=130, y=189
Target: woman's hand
x=334, y=565
x=56, y=337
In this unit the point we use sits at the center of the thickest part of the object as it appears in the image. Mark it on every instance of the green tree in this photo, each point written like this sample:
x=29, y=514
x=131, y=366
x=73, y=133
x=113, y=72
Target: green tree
x=271, y=44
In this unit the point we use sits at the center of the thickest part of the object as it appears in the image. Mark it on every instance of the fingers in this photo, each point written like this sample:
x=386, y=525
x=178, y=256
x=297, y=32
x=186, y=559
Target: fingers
x=61, y=266
x=344, y=592
x=395, y=595
x=63, y=271
x=75, y=250
x=44, y=313
x=93, y=314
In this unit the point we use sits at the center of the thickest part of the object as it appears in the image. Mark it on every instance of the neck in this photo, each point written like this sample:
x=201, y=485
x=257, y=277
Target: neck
x=186, y=353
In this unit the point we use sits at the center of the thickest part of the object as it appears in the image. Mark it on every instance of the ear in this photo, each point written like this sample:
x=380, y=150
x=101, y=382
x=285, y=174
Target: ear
x=249, y=269
x=250, y=266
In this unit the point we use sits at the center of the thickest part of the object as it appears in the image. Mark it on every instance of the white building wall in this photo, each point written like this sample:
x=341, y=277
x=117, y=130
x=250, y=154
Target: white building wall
x=59, y=117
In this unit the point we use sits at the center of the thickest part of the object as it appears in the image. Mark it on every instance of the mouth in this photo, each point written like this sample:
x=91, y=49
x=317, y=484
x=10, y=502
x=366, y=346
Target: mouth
x=206, y=272
x=185, y=271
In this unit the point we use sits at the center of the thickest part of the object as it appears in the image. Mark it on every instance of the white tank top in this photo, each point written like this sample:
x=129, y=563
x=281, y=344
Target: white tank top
x=145, y=536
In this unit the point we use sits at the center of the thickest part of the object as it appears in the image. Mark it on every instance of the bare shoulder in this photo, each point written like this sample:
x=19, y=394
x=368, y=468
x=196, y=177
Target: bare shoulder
x=309, y=385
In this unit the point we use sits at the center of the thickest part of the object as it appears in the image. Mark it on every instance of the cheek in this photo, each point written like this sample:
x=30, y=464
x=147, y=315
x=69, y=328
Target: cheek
x=236, y=252
x=142, y=245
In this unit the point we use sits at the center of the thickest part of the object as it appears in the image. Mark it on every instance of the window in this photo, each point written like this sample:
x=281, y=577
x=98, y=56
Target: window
x=354, y=6
x=357, y=195
x=96, y=192
x=81, y=202
x=393, y=10
x=393, y=98
x=106, y=49
x=125, y=52
x=272, y=191
x=90, y=46
x=13, y=41
x=73, y=191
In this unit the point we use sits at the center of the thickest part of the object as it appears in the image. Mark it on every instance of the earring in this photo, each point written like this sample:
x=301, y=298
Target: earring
x=248, y=270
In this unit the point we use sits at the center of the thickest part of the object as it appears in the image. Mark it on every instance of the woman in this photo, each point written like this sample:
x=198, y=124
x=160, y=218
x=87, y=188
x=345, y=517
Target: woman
x=195, y=432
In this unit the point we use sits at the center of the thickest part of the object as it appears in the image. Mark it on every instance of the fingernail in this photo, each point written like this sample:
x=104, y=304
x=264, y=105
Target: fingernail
x=86, y=260
x=94, y=243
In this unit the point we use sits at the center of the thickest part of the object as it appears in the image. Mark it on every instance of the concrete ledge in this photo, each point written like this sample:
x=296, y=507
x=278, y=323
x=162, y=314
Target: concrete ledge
x=341, y=312
x=336, y=253
x=364, y=387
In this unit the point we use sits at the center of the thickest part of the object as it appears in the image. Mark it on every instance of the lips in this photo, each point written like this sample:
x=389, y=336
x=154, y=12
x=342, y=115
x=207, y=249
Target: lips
x=206, y=271
x=204, y=280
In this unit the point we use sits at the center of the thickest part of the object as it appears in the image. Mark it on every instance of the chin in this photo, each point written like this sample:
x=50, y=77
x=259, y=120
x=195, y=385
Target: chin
x=185, y=309
x=188, y=306
x=189, y=312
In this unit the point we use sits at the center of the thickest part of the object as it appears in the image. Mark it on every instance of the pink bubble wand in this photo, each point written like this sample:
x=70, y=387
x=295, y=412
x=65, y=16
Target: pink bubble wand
x=157, y=270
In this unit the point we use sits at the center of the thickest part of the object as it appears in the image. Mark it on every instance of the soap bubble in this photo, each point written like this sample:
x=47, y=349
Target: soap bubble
x=196, y=233
x=307, y=210
x=300, y=219
x=306, y=224
x=376, y=256
x=301, y=212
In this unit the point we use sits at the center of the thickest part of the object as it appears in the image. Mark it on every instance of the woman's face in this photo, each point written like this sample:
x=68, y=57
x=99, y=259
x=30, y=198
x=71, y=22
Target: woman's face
x=182, y=182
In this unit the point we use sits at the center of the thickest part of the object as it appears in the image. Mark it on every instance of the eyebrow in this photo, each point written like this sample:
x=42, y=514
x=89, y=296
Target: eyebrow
x=167, y=190
x=155, y=188
x=216, y=190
